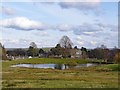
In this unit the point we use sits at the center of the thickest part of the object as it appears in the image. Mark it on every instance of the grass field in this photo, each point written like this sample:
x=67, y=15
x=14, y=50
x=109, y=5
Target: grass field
x=104, y=76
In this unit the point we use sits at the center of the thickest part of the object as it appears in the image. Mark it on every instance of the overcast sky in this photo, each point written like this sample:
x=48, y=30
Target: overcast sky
x=87, y=24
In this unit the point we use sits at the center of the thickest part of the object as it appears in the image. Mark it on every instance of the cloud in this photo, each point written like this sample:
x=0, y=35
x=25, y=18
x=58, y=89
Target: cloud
x=16, y=41
x=79, y=5
x=22, y=23
x=41, y=33
x=7, y=10
x=108, y=26
x=25, y=43
x=93, y=42
x=64, y=27
x=107, y=38
x=80, y=42
x=9, y=42
x=88, y=33
x=86, y=29
x=85, y=6
x=85, y=42
x=95, y=29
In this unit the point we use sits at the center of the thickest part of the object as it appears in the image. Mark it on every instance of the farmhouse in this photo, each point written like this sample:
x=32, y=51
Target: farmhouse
x=76, y=53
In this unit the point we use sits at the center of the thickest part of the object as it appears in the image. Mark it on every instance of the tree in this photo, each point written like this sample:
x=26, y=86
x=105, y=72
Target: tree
x=114, y=55
x=32, y=51
x=56, y=50
x=100, y=53
x=32, y=44
x=75, y=47
x=41, y=51
x=84, y=52
x=53, y=51
x=0, y=45
x=103, y=46
x=65, y=42
x=2, y=52
x=66, y=46
x=65, y=52
x=58, y=46
x=83, y=49
x=4, y=57
x=16, y=52
x=117, y=57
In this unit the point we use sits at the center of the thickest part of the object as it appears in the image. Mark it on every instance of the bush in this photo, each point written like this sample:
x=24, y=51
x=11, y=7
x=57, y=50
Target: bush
x=117, y=58
x=72, y=63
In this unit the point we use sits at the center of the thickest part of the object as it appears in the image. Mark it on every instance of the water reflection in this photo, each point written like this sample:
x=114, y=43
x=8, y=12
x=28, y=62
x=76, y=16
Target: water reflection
x=53, y=66
x=61, y=66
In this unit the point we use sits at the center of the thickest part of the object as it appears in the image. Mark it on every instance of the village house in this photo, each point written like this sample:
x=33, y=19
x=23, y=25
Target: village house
x=76, y=53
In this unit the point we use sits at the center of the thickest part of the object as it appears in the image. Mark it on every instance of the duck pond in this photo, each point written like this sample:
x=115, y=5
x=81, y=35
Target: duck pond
x=54, y=66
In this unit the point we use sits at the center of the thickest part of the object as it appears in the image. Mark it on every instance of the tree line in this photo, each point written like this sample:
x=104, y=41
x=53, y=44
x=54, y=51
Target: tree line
x=65, y=49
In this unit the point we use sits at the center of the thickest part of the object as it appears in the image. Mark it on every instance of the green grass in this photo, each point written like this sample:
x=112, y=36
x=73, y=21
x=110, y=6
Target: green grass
x=44, y=61
x=104, y=76
x=112, y=67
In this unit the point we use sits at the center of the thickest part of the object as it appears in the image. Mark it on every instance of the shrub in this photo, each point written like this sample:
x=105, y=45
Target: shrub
x=72, y=63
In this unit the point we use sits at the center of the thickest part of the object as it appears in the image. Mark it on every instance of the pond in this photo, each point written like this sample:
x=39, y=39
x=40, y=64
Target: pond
x=53, y=66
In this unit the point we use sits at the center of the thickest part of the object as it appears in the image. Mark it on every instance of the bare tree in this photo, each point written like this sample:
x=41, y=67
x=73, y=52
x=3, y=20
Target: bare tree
x=65, y=42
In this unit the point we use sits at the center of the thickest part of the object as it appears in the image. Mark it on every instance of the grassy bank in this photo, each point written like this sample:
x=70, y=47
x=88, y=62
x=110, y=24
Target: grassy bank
x=44, y=61
x=48, y=60
x=104, y=76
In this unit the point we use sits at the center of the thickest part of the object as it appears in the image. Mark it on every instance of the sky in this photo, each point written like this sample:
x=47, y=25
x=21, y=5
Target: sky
x=87, y=24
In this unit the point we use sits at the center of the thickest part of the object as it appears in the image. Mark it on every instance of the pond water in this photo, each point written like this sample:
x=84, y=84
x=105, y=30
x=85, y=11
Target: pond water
x=53, y=66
